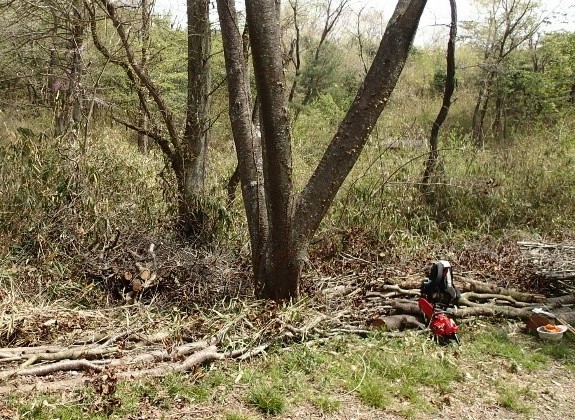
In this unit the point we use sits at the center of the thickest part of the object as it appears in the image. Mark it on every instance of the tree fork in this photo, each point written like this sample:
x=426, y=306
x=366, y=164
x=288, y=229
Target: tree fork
x=281, y=222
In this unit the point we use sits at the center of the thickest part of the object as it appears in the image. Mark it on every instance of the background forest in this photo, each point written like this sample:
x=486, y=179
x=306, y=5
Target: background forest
x=74, y=170
x=120, y=179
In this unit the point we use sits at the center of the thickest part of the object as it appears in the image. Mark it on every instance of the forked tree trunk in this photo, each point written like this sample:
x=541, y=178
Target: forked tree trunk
x=289, y=220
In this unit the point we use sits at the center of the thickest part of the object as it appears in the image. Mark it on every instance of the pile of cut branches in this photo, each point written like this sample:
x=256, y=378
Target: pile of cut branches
x=134, y=267
x=209, y=319
x=554, y=263
x=393, y=305
x=147, y=344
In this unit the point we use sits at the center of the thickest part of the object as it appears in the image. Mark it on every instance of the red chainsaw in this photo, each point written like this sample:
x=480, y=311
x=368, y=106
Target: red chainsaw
x=438, y=296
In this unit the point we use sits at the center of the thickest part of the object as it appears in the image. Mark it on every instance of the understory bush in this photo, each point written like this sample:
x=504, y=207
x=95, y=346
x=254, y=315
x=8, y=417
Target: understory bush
x=527, y=185
x=58, y=198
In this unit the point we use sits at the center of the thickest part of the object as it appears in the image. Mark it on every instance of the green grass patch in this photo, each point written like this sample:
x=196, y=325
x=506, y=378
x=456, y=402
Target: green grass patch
x=397, y=375
x=266, y=399
x=375, y=393
x=518, y=349
x=327, y=405
x=47, y=407
x=515, y=399
x=236, y=416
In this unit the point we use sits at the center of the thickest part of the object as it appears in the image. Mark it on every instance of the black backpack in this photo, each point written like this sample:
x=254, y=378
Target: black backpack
x=438, y=288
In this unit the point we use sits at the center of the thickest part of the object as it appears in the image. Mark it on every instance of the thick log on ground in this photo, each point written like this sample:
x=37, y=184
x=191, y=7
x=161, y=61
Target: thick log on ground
x=557, y=302
x=470, y=298
x=62, y=366
x=466, y=284
x=396, y=322
x=471, y=285
x=407, y=307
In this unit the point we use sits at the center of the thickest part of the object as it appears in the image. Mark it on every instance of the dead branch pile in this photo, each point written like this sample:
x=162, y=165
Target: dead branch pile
x=138, y=268
x=380, y=303
x=181, y=342
x=218, y=324
x=553, y=262
x=178, y=343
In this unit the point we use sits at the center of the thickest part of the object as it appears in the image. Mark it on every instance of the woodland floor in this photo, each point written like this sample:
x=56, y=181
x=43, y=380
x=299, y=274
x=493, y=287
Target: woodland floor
x=174, y=314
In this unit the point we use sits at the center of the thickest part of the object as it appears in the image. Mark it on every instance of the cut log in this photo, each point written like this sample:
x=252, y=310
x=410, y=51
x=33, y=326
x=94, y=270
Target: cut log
x=396, y=322
x=557, y=302
x=469, y=298
x=62, y=366
x=467, y=284
x=407, y=307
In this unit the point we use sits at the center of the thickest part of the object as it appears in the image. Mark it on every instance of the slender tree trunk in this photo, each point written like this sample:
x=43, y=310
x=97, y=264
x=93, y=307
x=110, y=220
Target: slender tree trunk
x=296, y=47
x=431, y=163
x=480, y=110
x=67, y=84
x=498, y=120
x=195, y=142
x=78, y=28
x=147, y=7
x=186, y=155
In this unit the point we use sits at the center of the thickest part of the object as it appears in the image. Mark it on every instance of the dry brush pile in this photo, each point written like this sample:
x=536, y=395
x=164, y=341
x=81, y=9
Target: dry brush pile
x=177, y=309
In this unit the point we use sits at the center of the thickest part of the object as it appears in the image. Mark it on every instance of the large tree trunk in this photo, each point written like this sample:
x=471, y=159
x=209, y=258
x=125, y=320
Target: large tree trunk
x=245, y=134
x=292, y=220
x=281, y=267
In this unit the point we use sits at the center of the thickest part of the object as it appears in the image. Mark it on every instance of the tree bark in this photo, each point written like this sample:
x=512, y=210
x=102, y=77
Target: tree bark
x=281, y=267
x=246, y=138
x=282, y=223
x=431, y=163
x=295, y=219
x=195, y=142
x=68, y=111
